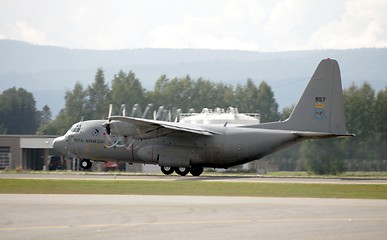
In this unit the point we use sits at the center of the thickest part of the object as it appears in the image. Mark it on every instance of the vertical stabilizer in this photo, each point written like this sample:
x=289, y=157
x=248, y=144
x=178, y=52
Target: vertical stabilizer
x=321, y=107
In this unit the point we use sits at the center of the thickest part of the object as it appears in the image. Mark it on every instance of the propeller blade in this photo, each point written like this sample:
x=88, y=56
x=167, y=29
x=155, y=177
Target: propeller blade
x=123, y=110
x=110, y=111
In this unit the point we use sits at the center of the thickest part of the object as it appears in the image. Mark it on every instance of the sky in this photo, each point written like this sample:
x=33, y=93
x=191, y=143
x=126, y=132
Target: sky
x=257, y=25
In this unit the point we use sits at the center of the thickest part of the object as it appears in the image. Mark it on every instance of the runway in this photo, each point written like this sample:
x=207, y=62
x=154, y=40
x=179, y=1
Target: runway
x=227, y=178
x=187, y=217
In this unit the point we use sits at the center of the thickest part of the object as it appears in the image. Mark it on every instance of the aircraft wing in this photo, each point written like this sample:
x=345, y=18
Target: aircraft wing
x=146, y=128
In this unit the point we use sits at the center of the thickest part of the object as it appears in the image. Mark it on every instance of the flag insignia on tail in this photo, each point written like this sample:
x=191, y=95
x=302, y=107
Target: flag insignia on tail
x=319, y=105
x=319, y=113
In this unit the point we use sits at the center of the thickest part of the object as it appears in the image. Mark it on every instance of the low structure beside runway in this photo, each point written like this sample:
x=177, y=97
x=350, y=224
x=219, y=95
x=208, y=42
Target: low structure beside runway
x=25, y=151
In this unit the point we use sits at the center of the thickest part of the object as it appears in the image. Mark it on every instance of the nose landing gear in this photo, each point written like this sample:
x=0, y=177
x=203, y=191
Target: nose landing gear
x=86, y=164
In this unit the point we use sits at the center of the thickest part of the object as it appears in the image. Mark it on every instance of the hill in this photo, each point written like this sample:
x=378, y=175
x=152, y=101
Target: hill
x=48, y=71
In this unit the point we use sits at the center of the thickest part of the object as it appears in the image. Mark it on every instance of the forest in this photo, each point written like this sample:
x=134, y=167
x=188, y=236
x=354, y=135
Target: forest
x=365, y=115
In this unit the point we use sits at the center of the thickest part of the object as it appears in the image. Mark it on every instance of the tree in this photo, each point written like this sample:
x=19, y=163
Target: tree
x=81, y=104
x=365, y=116
x=360, y=115
x=58, y=126
x=178, y=93
x=18, y=112
x=3, y=129
x=286, y=111
x=73, y=111
x=45, y=115
x=127, y=89
x=75, y=104
x=250, y=97
x=287, y=158
x=228, y=95
x=156, y=95
x=323, y=156
x=268, y=107
x=175, y=93
x=202, y=95
x=98, y=97
x=239, y=97
x=380, y=126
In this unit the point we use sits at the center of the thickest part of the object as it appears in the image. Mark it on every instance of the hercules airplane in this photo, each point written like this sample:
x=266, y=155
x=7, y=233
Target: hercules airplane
x=188, y=148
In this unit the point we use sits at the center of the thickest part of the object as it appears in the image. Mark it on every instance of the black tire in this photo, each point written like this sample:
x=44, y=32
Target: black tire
x=86, y=164
x=182, y=171
x=167, y=170
x=196, y=171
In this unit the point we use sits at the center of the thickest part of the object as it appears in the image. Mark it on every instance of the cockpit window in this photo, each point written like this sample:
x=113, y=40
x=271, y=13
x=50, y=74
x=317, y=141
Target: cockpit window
x=76, y=128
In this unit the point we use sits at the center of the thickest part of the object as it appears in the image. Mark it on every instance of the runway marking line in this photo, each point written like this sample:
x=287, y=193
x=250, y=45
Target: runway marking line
x=327, y=220
x=128, y=224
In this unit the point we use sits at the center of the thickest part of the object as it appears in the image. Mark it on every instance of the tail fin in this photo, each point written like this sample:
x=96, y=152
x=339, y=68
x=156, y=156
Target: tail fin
x=320, y=108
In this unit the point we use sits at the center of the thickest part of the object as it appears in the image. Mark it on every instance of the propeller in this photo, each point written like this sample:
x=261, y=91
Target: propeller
x=147, y=109
x=177, y=117
x=109, y=143
x=116, y=135
x=107, y=125
x=110, y=111
x=123, y=110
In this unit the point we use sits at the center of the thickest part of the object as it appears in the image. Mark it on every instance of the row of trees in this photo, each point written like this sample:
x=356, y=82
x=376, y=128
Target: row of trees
x=184, y=93
x=365, y=114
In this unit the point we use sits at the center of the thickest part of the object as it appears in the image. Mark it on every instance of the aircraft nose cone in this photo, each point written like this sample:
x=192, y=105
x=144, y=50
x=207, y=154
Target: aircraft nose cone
x=59, y=144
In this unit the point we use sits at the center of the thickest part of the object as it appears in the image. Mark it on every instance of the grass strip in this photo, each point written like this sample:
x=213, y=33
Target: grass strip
x=192, y=188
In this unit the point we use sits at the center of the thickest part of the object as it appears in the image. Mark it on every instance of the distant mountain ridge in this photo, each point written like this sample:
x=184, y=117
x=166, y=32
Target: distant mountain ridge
x=48, y=71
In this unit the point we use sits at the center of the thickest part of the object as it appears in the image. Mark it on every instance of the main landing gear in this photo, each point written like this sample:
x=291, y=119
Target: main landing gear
x=182, y=171
x=86, y=164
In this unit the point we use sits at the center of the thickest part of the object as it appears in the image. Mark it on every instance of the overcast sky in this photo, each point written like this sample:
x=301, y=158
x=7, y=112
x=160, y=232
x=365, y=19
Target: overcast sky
x=260, y=25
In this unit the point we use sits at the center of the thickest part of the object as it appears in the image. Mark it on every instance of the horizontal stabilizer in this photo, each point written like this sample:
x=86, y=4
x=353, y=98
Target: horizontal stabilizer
x=307, y=134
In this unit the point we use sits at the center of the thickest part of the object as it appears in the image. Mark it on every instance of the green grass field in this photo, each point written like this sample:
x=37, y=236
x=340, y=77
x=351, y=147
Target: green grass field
x=192, y=188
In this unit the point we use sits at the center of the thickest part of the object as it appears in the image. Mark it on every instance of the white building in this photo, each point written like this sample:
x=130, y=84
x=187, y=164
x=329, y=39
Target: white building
x=219, y=116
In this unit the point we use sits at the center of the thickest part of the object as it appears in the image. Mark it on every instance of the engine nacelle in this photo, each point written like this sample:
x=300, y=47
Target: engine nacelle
x=119, y=128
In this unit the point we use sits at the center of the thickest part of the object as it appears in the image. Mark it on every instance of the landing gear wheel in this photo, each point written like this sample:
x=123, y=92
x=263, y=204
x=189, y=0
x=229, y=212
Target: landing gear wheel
x=182, y=171
x=86, y=164
x=196, y=171
x=167, y=170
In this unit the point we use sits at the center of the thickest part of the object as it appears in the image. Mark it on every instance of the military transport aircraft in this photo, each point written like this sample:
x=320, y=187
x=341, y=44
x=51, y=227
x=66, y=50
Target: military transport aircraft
x=187, y=148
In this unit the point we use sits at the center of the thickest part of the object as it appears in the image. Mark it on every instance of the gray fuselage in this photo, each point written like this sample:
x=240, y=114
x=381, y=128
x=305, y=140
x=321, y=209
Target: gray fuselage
x=233, y=146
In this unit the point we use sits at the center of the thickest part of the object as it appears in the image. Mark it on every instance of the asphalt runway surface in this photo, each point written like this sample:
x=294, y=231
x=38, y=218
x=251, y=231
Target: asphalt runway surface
x=186, y=217
x=228, y=178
